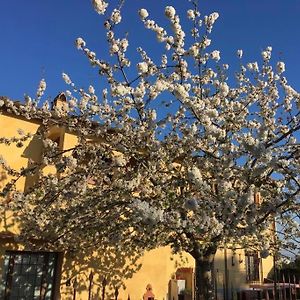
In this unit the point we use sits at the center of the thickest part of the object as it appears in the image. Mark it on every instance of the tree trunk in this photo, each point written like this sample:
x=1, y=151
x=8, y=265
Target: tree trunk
x=204, y=275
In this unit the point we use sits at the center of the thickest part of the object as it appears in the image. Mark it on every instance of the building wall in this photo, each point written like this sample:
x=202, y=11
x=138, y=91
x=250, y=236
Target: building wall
x=16, y=157
x=158, y=267
x=236, y=278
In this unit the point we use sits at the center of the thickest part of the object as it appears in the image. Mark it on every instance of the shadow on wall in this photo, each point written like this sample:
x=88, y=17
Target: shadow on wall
x=7, y=220
x=95, y=273
x=82, y=274
x=33, y=152
x=85, y=273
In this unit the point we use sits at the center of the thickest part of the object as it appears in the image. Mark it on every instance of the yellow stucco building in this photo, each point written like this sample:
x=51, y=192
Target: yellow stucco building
x=51, y=275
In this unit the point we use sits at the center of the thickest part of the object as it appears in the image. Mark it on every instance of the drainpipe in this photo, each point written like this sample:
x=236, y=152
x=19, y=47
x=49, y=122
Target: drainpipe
x=225, y=274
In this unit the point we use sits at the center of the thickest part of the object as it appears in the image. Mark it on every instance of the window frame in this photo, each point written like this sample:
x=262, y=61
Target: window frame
x=7, y=275
x=253, y=265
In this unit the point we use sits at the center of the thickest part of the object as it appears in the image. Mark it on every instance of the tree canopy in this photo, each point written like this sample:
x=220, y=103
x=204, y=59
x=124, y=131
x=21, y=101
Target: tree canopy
x=172, y=151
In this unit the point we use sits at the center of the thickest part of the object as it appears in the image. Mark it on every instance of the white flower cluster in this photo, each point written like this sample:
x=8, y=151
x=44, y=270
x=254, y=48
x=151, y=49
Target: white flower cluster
x=117, y=47
x=143, y=13
x=160, y=32
x=66, y=78
x=191, y=14
x=181, y=92
x=266, y=54
x=120, y=90
x=41, y=89
x=100, y=6
x=280, y=67
x=210, y=20
x=205, y=43
x=223, y=89
x=209, y=225
x=148, y=214
x=239, y=53
x=176, y=41
x=179, y=34
x=48, y=143
x=91, y=90
x=158, y=87
x=80, y=43
x=253, y=67
x=194, y=50
x=170, y=12
x=195, y=176
x=116, y=16
x=142, y=67
x=215, y=55
x=71, y=162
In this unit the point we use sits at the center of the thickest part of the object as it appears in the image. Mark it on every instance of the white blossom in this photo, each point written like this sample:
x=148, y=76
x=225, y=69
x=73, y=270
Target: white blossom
x=194, y=50
x=124, y=44
x=224, y=89
x=153, y=115
x=41, y=89
x=80, y=43
x=66, y=78
x=71, y=162
x=195, y=176
x=116, y=16
x=142, y=67
x=170, y=11
x=266, y=54
x=215, y=55
x=143, y=13
x=280, y=67
x=191, y=14
x=114, y=48
x=180, y=92
x=253, y=67
x=149, y=214
x=120, y=90
x=240, y=53
x=206, y=42
x=100, y=6
x=91, y=89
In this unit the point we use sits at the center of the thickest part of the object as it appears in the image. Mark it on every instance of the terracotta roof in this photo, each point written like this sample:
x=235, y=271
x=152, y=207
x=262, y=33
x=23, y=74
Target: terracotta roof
x=20, y=110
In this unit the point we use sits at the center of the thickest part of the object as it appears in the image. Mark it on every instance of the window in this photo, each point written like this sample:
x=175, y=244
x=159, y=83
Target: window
x=252, y=266
x=28, y=275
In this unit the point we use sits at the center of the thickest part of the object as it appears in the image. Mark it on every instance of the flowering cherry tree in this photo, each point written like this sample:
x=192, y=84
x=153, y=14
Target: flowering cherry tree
x=172, y=151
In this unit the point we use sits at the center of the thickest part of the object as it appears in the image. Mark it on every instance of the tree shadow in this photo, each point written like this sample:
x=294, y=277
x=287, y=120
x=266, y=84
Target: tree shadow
x=84, y=271
x=91, y=272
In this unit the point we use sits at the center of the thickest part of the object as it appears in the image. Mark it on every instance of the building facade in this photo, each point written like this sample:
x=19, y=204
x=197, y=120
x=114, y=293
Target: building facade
x=51, y=275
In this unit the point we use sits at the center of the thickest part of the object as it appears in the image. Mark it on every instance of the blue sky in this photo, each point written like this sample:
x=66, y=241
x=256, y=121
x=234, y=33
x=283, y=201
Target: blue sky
x=37, y=37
